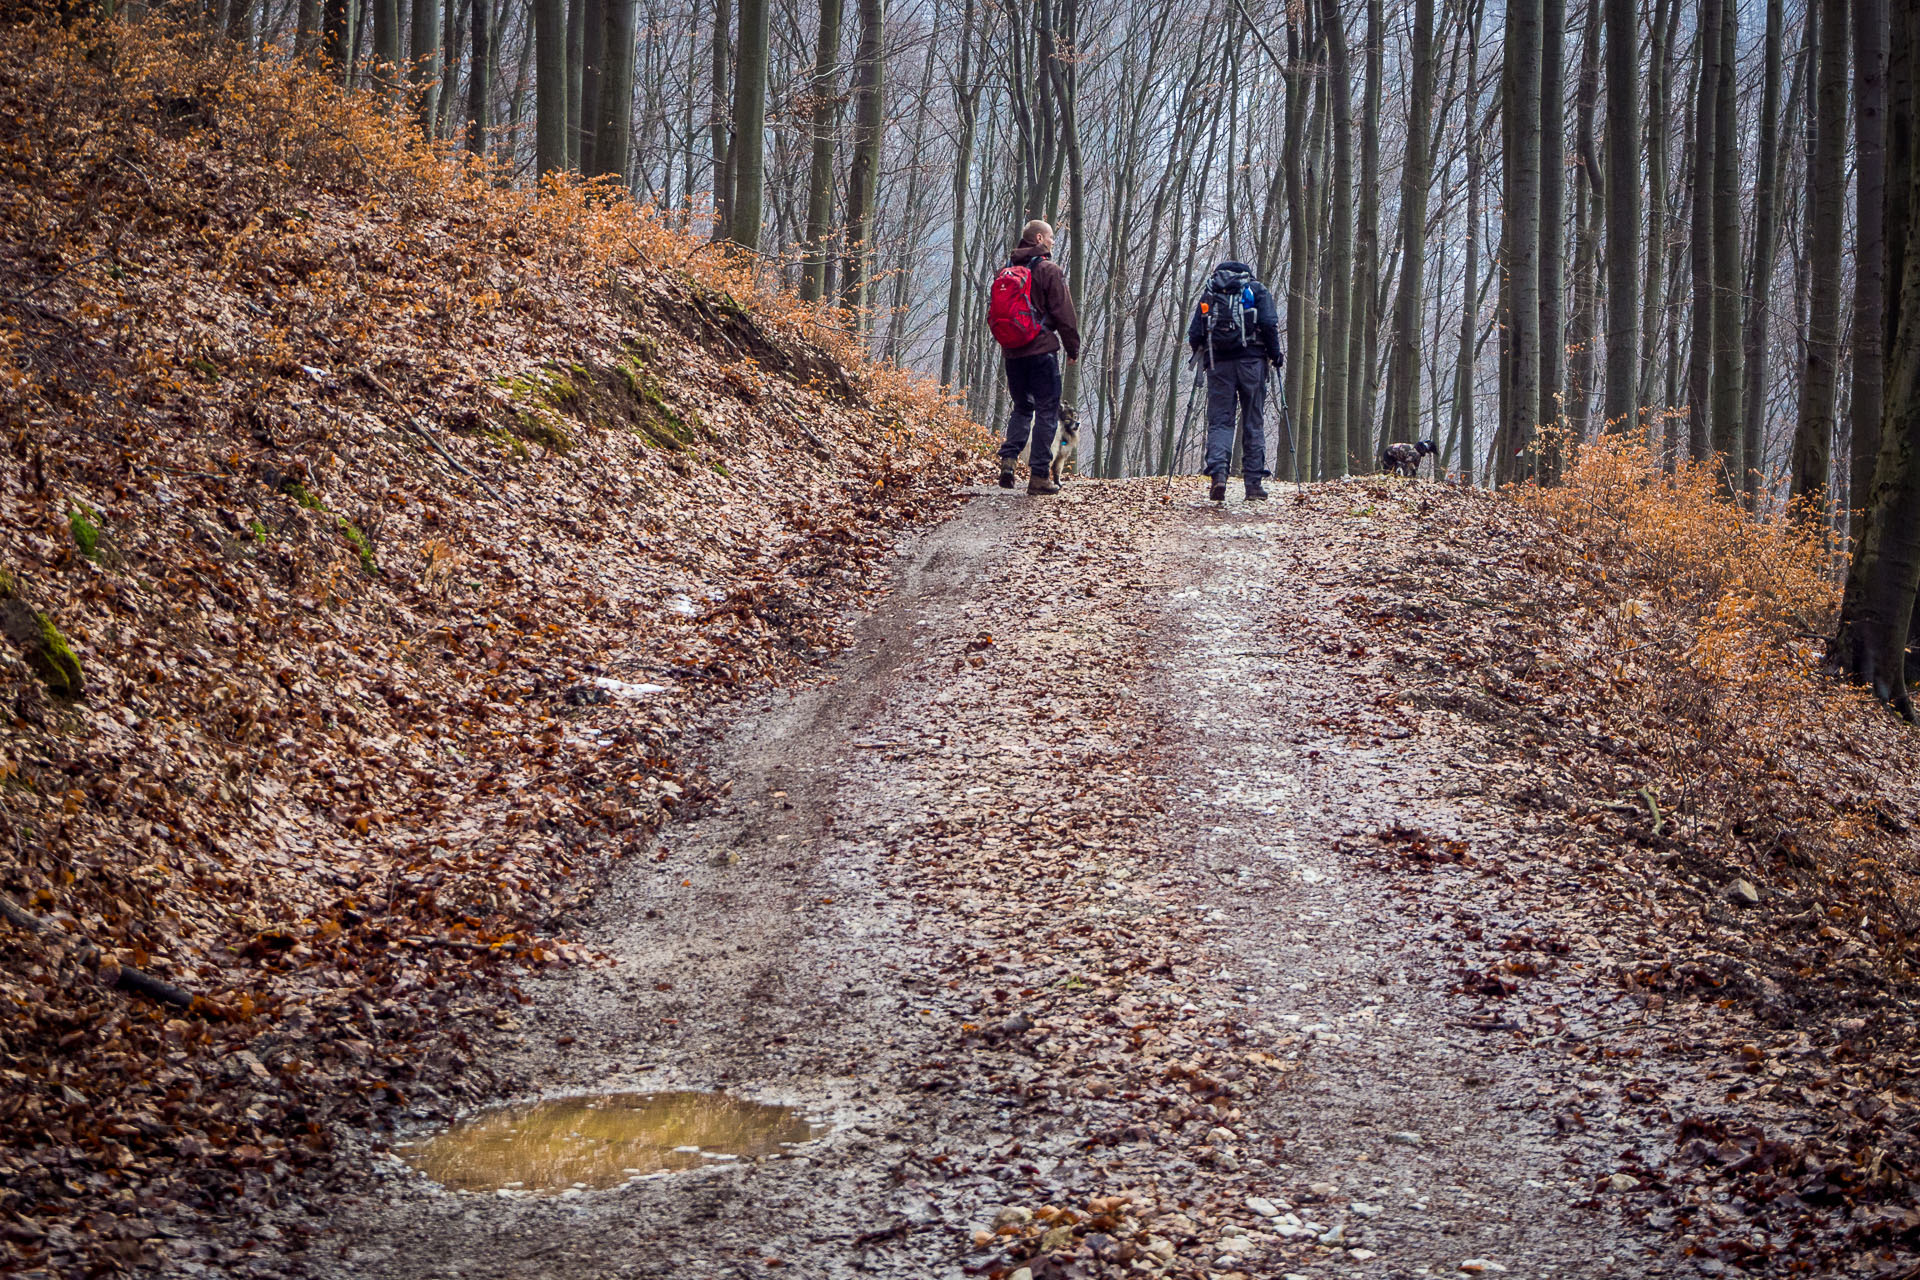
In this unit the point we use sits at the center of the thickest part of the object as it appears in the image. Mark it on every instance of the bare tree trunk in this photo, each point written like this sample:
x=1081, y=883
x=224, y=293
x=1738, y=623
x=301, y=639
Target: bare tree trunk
x=1153, y=280
x=424, y=63
x=1659, y=150
x=1302, y=317
x=1623, y=211
x=613, y=99
x=1813, y=433
x=749, y=151
x=966, y=97
x=1870, y=23
x=813, y=271
x=1587, y=201
x=1760, y=272
x=1470, y=310
x=1340, y=317
x=240, y=23
x=1876, y=619
x=1727, y=377
x=480, y=78
x=863, y=175
x=453, y=30
x=1043, y=201
x=386, y=43
x=1067, y=91
x=337, y=38
x=1401, y=421
x=593, y=59
x=1705, y=113
x=1363, y=347
x=1520, y=85
x=550, y=88
x=576, y=81
x=1553, y=235
x=307, y=29
x=722, y=126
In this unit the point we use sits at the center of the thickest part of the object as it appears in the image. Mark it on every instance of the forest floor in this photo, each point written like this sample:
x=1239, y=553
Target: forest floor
x=524, y=656
x=1159, y=889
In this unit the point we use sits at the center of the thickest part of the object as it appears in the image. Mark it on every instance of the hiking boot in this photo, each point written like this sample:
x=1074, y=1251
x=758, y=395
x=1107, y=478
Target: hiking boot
x=1006, y=473
x=1218, y=493
x=1042, y=482
x=1256, y=491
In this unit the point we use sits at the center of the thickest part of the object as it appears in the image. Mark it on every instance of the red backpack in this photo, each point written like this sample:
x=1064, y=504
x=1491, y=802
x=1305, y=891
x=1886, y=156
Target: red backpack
x=1010, y=312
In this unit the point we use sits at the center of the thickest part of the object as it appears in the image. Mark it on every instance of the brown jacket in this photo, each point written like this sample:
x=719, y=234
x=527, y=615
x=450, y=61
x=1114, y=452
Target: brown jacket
x=1052, y=301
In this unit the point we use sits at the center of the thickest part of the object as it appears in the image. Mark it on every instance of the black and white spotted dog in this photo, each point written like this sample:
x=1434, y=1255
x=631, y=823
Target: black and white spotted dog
x=1404, y=459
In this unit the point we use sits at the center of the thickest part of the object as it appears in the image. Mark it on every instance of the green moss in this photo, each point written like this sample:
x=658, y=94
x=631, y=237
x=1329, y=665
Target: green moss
x=657, y=420
x=258, y=530
x=552, y=385
x=302, y=495
x=60, y=655
x=537, y=397
x=348, y=530
x=41, y=643
x=86, y=534
x=543, y=432
x=508, y=442
x=361, y=547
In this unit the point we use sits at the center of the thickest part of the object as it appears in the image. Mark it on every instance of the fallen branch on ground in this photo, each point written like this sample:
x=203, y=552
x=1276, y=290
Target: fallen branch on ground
x=124, y=977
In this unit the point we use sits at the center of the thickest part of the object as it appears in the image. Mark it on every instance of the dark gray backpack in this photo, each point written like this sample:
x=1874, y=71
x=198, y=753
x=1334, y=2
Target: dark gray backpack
x=1228, y=299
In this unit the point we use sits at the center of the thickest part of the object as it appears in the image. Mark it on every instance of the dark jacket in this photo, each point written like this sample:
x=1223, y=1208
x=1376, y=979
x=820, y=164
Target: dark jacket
x=1264, y=338
x=1052, y=301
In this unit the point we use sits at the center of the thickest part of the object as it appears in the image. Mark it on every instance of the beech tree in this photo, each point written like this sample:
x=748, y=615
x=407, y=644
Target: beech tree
x=1520, y=245
x=424, y=59
x=550, y=33
x=1869, y=345
x=1760, y=271
x=1339, y=362
x=1625, y=257
x=813, y=275
x=1813, y=434
x=748, y=151
x=1401, y=421
x=1877, y=615
x=863, y=175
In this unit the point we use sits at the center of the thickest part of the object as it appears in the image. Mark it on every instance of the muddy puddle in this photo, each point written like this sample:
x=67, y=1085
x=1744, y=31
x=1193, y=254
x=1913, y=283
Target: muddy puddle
x=602, y=1140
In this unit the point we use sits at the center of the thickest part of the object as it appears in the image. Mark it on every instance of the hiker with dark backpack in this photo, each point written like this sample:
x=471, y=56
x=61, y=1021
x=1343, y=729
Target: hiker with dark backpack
x=1031, y=316
x=1235, y=335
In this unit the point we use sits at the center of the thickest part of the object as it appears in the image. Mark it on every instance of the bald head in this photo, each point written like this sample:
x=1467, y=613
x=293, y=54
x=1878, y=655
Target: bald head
x=1037, y=232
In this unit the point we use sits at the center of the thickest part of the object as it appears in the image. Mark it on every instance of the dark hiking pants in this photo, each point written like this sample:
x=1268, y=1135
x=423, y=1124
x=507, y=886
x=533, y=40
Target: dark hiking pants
x=1035, y=384
x=1238, y=383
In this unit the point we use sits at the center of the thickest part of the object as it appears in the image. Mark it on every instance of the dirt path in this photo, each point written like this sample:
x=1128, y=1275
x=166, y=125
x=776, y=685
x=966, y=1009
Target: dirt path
x=1100, y=878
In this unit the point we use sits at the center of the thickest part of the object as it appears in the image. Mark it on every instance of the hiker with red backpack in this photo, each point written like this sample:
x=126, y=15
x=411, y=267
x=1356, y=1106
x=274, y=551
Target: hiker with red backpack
x=1031, y=316
x=1235, y=335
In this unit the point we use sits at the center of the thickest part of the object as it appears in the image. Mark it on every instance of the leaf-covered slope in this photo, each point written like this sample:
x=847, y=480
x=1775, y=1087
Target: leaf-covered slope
x=398, y=523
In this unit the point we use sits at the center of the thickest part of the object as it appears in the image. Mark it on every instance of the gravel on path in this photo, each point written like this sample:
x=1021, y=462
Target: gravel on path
x=1078, y=899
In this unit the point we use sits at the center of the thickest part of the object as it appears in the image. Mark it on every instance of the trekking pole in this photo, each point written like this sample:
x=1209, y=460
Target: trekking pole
x=1286, y=422
x=1186, y=425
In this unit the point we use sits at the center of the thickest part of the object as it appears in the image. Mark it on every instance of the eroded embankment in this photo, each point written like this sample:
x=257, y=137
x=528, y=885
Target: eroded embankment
x=370, y=536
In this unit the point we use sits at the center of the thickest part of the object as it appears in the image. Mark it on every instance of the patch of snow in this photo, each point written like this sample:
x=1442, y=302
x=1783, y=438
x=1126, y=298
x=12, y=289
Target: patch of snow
x=621, y=689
